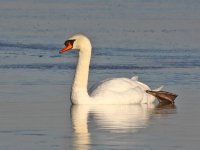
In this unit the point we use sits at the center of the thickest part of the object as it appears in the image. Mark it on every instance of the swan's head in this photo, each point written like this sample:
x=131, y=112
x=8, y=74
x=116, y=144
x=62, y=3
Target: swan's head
x=78, y=42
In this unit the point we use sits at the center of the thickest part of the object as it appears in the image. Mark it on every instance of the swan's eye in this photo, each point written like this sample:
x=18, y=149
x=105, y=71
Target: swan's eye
x=69, y=42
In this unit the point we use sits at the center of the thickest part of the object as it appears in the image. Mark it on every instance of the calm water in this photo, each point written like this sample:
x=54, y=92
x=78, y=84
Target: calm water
x=156, y=40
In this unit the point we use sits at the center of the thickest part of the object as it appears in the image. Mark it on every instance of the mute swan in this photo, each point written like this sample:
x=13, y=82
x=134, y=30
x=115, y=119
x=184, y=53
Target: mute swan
x=110, y=91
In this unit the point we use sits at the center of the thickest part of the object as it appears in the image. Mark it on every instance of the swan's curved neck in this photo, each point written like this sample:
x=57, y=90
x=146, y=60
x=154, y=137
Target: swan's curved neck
x=79, y=88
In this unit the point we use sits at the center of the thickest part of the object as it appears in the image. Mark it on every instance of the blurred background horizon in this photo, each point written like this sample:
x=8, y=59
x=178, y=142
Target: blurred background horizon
x=155, y=24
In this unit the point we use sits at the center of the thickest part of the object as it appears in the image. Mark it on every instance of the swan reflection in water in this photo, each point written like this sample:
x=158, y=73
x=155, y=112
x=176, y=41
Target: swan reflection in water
x=112, y=118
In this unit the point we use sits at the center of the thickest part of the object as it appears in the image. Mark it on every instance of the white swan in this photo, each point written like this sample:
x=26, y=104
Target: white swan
x=110, y=91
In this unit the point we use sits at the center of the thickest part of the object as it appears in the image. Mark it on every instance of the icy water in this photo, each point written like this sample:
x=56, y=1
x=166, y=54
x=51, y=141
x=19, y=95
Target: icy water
x=155, y=40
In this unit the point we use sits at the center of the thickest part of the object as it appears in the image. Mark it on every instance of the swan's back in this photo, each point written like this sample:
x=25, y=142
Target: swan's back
x=117, y=85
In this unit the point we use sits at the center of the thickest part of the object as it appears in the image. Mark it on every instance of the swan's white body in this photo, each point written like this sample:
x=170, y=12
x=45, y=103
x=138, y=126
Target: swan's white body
x=110, y=91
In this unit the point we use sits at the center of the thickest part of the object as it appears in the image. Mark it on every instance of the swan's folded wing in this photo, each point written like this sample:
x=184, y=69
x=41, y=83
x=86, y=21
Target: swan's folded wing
x=134, y=78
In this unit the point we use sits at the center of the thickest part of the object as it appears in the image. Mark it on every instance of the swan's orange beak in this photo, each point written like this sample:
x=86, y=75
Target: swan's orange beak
x=66, y=48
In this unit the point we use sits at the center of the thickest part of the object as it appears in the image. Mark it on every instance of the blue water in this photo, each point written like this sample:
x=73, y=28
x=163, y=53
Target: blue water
x=155, y=40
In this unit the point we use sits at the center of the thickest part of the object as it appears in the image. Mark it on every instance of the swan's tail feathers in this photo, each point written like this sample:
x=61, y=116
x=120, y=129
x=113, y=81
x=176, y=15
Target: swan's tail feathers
x=158, y=89
x=163, y=96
